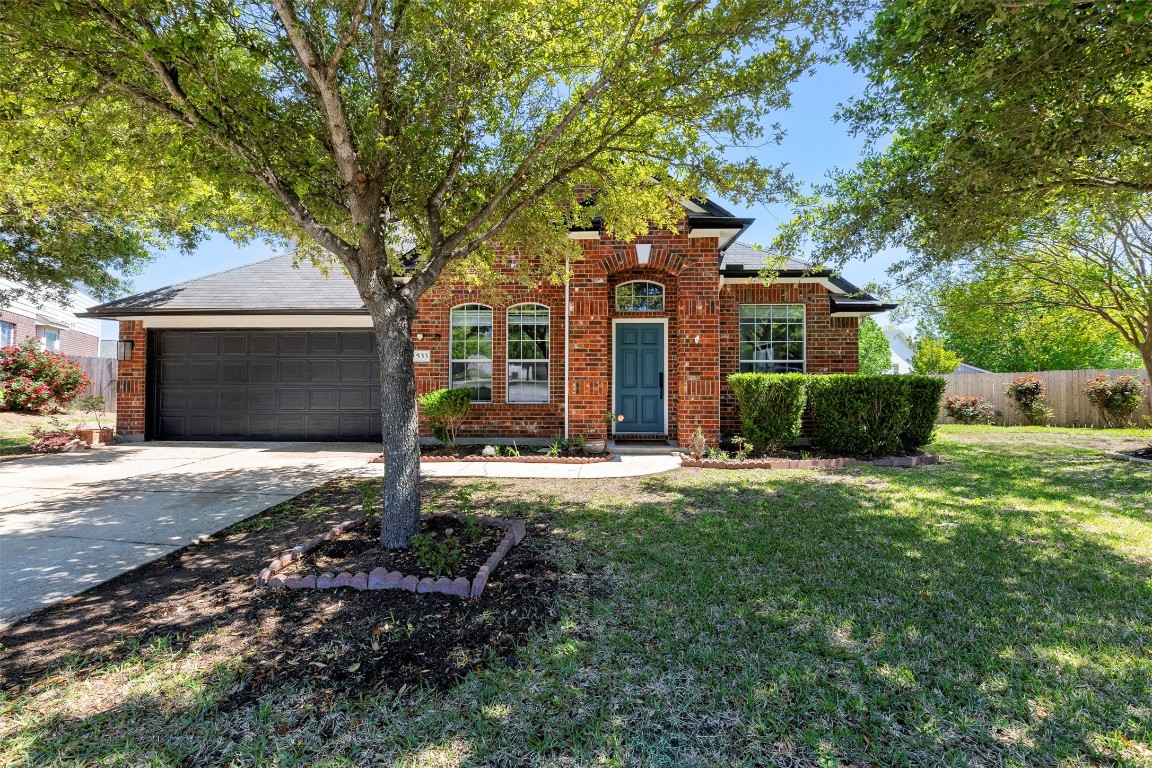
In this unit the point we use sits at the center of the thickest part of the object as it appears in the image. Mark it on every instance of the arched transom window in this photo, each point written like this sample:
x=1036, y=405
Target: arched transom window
x=471, y=353
x=528, y=348
x=640, y=296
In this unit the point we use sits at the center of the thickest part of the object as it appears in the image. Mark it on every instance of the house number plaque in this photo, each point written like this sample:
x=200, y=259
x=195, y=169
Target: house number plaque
x=422, y=356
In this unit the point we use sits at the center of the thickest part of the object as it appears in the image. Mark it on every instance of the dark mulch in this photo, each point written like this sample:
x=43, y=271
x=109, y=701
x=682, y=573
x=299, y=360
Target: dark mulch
x=356, y=641
x=461, y=450
x=1140, y=453
x=359, y=550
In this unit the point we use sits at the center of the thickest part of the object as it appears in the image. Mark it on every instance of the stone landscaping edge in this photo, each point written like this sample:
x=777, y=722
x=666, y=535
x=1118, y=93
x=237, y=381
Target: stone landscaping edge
x=522, y=459
x=892, y=461
x=382, y=578
x=1127, y=457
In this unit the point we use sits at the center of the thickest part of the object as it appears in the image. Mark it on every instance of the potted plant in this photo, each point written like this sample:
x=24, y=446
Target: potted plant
x=94, y=437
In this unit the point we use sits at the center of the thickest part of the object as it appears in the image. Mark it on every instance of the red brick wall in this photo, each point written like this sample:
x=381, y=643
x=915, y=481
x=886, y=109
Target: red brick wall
x=130, y=389
x=25, y=326
x=831, y=344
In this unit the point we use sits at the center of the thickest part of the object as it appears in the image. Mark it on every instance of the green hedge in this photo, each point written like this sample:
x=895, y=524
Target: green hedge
x=853, y=414
x=866, y=416
x=771, y=407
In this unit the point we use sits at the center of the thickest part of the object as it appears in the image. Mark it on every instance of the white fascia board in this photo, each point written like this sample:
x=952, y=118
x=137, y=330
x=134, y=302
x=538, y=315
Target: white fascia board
x=691, y=206
x=832, y=287
x=252, y=321
x=584, y=234
x=718, y=232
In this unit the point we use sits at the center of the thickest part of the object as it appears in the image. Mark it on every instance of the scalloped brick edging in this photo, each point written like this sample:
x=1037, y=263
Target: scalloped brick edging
x=522, y=459
x=382, y=578
x=893, y=461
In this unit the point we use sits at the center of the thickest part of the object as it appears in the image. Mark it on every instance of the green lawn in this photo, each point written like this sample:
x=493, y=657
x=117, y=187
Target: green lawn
x=994, y=610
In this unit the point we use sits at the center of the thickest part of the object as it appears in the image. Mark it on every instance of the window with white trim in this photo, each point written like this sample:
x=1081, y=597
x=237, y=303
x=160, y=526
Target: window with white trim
x=50, y=338
x=7, y=334
x=470, y=365
x=640, y=296
x=771, y=338
x=528, y=332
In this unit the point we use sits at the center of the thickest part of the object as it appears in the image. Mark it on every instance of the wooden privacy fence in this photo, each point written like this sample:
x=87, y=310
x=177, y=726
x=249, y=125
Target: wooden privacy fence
x=102, y=371
x=1064, y=390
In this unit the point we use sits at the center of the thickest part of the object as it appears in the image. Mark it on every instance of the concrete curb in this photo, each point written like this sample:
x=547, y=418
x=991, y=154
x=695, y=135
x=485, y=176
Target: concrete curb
x=381, y=578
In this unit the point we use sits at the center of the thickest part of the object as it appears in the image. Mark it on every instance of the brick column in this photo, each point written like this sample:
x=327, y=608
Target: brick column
x=590, y=372
x=130, y=382
x=698, y=340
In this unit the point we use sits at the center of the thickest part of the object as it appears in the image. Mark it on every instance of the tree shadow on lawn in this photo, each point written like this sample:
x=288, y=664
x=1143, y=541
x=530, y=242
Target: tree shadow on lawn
x=752, y=617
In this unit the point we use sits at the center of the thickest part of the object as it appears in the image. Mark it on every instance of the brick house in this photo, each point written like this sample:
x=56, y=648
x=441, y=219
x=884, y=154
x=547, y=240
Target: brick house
x=55, y=324
x=648, y=331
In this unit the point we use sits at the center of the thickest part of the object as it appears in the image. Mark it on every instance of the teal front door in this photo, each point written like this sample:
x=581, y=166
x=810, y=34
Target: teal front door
x=640, y=378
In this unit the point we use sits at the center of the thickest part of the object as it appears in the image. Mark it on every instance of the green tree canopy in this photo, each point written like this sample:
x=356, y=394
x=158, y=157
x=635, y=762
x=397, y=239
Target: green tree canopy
x=875, y=351
x=930, y=356
x=380, y=128
x=983, y=114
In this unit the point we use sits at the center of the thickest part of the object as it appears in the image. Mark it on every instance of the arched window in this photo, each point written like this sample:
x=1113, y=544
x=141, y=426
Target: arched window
x=528, y=350
x=470, y=356
x=640, y=296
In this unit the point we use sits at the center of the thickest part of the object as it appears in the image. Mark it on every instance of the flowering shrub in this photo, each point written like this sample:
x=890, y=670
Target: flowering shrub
x=969, y=409
x=1027, y=394
x=55, y=439
x=37, y=381
x=1117, y=399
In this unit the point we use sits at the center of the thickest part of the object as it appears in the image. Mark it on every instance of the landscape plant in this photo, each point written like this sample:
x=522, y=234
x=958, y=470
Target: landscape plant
x=924, y=393
x=1026, y=393
x=446, y=410
x=1116, y=399
x=93, y=405
x=34, y=380
x=929, y=356
x=54, y=438
x=771, y=408
x=969, y=409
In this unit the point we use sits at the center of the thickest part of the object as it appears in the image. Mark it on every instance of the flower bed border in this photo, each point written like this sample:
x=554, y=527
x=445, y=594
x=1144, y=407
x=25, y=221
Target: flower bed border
x=510, y=459
x=892, y=461
x=382, y=578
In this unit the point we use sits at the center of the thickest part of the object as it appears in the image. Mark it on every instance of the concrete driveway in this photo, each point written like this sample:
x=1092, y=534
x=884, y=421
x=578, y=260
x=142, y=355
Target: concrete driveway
x=71, y=521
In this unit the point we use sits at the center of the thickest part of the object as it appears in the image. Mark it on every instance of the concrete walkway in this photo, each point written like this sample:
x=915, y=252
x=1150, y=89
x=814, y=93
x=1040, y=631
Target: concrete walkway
x=71, y=521
x=619, y=466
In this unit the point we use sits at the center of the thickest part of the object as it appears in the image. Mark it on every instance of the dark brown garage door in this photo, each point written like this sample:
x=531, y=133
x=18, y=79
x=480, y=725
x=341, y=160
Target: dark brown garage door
x=265, y=385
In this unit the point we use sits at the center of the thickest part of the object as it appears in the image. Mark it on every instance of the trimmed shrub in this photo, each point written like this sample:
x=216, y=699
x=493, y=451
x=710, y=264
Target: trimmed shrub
x=33, y=380
x=859, y=415
x=924, y=393
x=969, y=409
x=1117, y=399
x=771, y=407
x=446, y=410
x=1027, y=395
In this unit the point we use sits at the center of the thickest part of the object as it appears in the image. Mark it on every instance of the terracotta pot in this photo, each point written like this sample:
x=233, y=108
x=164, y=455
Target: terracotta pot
x=96, y=436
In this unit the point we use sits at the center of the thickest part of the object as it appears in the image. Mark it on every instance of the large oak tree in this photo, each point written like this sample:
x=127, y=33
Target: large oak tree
x=402, y=137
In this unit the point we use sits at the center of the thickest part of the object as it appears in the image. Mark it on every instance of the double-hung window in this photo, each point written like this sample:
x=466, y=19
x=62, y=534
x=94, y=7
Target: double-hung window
x=7, y=334
x=528, y=353
x=471, y=352
x=771, y=338
x=50, y=337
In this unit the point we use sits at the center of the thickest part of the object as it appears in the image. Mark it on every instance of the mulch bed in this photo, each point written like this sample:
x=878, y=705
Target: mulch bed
x=1140, y=453
x=328, y=640
x=359, y=550
x=531, y=454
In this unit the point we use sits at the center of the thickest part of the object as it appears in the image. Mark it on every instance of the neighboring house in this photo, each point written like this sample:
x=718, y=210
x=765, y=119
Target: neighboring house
x=56, y=325
x=902, y=352
x=649, y=330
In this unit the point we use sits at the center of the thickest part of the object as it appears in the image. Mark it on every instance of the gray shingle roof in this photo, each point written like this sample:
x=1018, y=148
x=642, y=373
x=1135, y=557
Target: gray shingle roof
x=741, y=257
x=271, y=285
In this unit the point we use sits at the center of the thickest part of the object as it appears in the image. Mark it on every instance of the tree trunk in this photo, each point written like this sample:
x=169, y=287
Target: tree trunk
x=400, y=517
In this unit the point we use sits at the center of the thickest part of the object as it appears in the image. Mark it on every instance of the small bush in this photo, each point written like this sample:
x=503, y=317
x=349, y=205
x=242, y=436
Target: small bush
x=969, y=409
x=924, y=393
x=446, y=410
x=859, y=415
x=55, y=438
x=33, y=380
x=771, y=407
x=1027, y=395
x=440, y=558
x=1117, y=400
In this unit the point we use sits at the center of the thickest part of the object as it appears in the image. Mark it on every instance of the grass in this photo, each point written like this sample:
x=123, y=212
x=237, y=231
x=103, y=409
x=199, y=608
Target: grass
x=16, y=428
x=994, y=610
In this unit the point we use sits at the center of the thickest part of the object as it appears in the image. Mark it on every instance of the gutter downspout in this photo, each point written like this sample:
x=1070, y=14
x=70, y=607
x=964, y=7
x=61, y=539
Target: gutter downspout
x=567, y=311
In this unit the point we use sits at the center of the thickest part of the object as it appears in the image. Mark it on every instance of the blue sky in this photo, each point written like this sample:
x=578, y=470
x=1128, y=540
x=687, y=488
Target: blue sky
x=814, y=145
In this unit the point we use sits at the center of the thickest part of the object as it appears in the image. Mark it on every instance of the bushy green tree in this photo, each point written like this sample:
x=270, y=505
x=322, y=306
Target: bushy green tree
x=875, y=351
x=401, y=138
x=930, y=356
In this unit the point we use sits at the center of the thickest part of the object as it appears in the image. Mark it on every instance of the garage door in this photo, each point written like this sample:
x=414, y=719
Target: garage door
x=265, y=385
